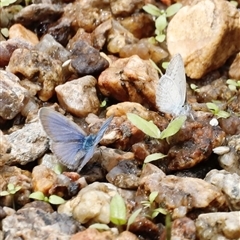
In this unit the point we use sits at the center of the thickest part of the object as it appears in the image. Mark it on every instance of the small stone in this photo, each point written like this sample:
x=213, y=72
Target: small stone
x=124, y=8
x=19, y=31
x=37, y=13
x=13, y=96
x=79, y=96
x=141, y=25
x=92, y=204
x=183, y=228
x=51, y=47
x=130, y=79
x=124, y=175
x=86, y=60
x=87, y=14
x=234, y=68
x=207, y=30
x=34, y=65
x=220, y=225
x=92, y=233
x=8, y=47
x=145, y=50
x=190, y=194
x=27, y=144
x=58, y=226
x=226, y=182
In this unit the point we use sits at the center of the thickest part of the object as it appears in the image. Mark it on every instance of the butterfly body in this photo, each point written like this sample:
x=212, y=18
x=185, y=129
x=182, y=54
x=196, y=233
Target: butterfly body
x=71, y=145
x=171, y=89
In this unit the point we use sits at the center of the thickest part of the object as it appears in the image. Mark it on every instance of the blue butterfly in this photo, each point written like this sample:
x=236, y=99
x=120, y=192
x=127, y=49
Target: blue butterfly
x=69, y=142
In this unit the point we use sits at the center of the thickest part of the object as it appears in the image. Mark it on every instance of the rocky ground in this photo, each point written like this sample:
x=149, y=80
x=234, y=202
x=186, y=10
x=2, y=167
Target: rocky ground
x=89, y=60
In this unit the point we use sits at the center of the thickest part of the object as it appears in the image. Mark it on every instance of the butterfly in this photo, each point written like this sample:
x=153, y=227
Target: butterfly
x=171, y=89
x=71, y=145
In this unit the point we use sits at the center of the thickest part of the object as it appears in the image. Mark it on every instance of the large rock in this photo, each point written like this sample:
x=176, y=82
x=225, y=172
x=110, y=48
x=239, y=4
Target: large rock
x=206, y=34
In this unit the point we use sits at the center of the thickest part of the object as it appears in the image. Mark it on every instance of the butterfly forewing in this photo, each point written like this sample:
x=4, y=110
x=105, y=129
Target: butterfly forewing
x=176, y=71
x=59, y=128
x=171, y=89
x=102, y=130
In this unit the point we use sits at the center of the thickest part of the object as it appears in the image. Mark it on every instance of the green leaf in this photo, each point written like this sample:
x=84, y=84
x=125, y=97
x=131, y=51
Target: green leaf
x=165, y=65
x=58, y=169
x=118, y=210
x=148, y=127
x=160, y=38
x=54, y=199
x=232, y=82
x=154, y=157
x=5, y=3
x=103, y=103
x=173, y=9
x=145, y=204
x=37, y=195
x=194, y=87
x=161, y=23
x=173, y=127
x=232, y=87
x=151, y=9
x=100, y=226
x=10, y=187
x=4, y=193
x=223, y=114
x=153, y=196
x=155, y=66
x=212, y=106
x=161, y=210
x=133, y=217
x=5, y=32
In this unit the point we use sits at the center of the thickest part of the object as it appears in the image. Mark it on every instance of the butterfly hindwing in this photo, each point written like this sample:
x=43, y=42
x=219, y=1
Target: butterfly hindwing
x=68, y=153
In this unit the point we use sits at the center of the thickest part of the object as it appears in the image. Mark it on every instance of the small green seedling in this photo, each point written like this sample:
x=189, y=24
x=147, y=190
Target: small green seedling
x=234, y=3
x=233, y=85
x=150, y=204
x=154, y=157
x=194, y=87
x=11, y=190
x=161, y=18
x=53, y=199
x=216, y=111
x=156, y=66
x=118, y=212
x=149, y=128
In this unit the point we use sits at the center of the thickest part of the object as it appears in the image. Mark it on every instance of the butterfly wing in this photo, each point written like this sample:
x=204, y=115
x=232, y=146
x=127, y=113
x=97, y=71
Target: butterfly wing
x=171, y=89
x=176, y=71
x=68, y=153
x=60, y=128
x=167, y=96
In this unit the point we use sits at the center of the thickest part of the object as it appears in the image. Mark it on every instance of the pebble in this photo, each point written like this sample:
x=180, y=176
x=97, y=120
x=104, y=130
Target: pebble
x=130, y=79
x=191, y=195
x=50, y=225
x=38, y=13
x=13, y=96
x=91, y=205
x=229, y=184
x=32, y=64
x=19, y=31
x=220, y=225
x=86, y=60
x=230, y=161
x=233, y=70
x=79, y=96
x=198, y=42
x=124, y=175
x=54, y=49
x=27, y=144
x=8, y=47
